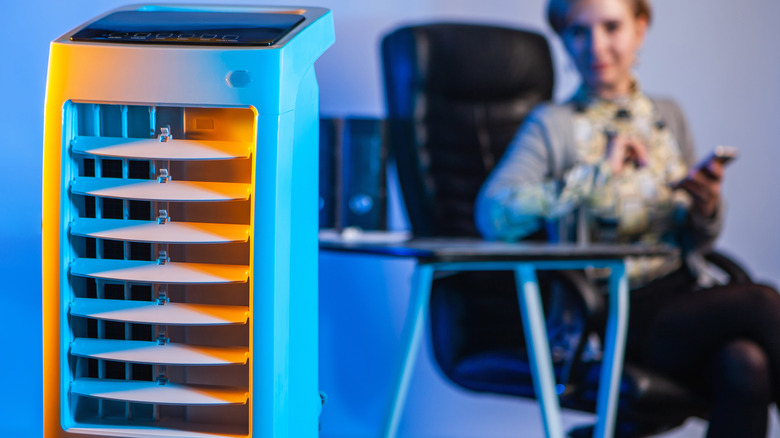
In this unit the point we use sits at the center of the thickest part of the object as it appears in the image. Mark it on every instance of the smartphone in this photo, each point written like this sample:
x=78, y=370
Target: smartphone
x=721, y=154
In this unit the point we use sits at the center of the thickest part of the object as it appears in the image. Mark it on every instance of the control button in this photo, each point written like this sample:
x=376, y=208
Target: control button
x=238, y=79
x=117, y=35
x=230, y=37
x=208, y=36
x=361, y=203
x=186, y=35
x=141, y=35
x=163, y=35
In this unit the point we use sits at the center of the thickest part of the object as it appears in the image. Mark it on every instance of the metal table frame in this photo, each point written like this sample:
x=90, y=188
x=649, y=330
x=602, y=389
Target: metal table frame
x=524, y=259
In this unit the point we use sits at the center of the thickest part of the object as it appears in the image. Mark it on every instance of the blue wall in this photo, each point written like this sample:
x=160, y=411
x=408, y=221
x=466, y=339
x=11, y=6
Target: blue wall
x=717, y=58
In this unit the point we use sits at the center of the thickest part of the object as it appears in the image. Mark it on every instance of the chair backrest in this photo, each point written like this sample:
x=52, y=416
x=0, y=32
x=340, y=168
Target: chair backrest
x=456, y=94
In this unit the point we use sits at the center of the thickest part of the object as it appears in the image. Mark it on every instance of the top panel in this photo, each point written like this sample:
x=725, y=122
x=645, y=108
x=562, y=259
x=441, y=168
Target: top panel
x=190, y=28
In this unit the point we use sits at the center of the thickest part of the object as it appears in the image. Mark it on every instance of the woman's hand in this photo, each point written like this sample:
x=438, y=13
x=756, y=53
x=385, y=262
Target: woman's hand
x=704, y=187
x=623, y=151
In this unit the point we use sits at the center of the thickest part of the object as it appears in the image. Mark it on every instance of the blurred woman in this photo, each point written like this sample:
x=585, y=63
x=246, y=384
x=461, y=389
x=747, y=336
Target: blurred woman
x=626, y=159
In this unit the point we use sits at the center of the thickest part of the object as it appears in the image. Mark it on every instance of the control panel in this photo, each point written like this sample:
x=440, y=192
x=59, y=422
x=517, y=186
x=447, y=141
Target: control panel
x=199, y=28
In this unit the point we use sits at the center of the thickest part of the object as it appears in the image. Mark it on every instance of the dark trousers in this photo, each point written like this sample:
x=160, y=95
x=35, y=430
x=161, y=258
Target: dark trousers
x=724, y=341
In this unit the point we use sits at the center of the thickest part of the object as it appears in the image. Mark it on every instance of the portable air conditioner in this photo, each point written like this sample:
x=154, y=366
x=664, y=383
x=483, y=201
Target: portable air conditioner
x=180, y=210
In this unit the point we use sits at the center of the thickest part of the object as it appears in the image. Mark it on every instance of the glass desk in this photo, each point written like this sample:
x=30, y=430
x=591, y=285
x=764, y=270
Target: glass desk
x=524, y=259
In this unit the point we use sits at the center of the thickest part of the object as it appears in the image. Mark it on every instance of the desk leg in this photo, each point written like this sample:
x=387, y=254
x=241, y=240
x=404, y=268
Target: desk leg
x=414, y=326
x=539, y=349
x=614, y=349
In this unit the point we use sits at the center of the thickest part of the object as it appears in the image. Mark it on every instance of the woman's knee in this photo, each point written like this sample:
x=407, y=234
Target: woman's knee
x=762, y=297
x=741, y=369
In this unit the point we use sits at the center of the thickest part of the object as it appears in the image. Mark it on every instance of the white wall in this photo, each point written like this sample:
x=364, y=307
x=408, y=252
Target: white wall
x=717, y=57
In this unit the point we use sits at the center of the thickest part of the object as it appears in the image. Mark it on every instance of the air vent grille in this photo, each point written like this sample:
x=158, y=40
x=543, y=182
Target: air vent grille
x=156, y=294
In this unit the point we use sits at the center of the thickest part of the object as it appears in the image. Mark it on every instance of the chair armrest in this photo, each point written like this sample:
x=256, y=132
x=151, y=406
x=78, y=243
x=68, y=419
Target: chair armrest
x=735, y=272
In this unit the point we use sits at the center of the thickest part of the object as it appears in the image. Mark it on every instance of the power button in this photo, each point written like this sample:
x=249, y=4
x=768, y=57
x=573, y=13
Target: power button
x=238, y=79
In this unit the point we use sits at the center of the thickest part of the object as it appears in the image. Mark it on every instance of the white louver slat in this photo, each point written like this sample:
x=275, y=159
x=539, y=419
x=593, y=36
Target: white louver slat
x=153, y=272
x=145, y=190
x=159, y=271
x=153, y=149
x=152, y=231
x=152, y=392
x=155, y=352
x=145, y=312
x=173, y=429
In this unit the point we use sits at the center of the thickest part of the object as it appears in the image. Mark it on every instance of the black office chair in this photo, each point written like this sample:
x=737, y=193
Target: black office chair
x=456, y=94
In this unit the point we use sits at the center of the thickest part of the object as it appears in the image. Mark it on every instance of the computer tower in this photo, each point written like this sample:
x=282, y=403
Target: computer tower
x=352, y=173
x=180, y=211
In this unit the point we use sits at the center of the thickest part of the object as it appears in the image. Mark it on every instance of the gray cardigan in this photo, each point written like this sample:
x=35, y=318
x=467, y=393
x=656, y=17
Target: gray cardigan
x=543, y=149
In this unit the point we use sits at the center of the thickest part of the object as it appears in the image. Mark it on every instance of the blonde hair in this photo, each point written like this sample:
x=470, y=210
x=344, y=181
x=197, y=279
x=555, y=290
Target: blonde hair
x=558, y=12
